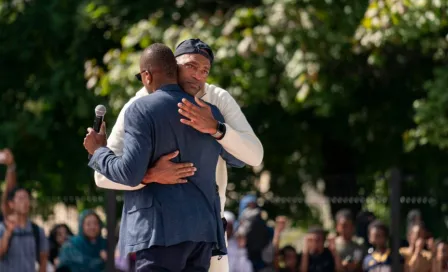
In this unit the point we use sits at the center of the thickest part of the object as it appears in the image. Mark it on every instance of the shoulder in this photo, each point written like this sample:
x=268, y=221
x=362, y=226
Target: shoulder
x=142, y=92
x=216, y=93
x=139, y=104
x=222, y=99
x=147, y=100
x=39, y=230
x=130, y=102
x=69, y=243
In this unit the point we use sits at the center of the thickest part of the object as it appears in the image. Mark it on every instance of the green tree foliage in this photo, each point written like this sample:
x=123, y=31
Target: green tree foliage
x=45, y=105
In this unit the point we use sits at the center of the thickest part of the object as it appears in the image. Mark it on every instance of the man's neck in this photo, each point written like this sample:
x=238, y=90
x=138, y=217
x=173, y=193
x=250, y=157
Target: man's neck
x=159, y=84
x=192, y=93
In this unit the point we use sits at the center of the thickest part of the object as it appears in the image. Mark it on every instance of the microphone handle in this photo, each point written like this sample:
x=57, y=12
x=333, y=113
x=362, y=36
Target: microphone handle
x=97, y=126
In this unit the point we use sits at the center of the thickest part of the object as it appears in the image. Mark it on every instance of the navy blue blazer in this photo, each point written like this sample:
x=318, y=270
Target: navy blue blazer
x=157, y=214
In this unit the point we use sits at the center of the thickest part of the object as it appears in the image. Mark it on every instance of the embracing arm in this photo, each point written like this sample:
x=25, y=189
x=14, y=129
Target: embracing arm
x=115, y=144
x=130, y=168
x=240, y=139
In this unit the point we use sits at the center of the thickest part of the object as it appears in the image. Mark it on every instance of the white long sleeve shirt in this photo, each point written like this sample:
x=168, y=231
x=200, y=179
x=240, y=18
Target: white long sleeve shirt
x=240, y=139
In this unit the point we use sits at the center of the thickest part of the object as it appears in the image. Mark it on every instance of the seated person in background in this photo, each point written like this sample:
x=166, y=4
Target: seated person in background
x=286, y=259
x=315, y=257
x=379, y=260
x=416, y=258
x=59, y=234
x=86, y=251
x=236, y=249
x=257, y=233
x=350, y=251
x=290, y=258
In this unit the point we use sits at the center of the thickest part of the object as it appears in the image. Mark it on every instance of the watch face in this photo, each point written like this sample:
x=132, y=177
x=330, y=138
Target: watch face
x=221, y=127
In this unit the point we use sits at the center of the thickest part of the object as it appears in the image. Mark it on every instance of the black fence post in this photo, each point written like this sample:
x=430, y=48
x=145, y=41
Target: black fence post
x=111, y=225
x=395, y=195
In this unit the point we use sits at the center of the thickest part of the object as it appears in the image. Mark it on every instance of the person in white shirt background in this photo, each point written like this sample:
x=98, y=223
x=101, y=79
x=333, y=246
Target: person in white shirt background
x=236, y=249
x=235, y=135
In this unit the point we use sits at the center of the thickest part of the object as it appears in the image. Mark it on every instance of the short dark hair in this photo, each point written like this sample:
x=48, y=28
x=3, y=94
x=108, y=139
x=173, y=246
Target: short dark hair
x=15, y=190
x=160, y=57
x=286, y=249
x=317, y=230
x=377, y=224
x=344, y=214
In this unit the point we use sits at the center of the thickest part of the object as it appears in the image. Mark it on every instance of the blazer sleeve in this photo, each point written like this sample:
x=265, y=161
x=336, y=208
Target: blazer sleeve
x=130, y=168
x=240, y=139
x=115, y=143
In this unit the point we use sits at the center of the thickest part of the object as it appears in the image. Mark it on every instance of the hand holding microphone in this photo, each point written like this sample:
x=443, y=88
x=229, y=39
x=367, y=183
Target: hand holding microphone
x=96, y=136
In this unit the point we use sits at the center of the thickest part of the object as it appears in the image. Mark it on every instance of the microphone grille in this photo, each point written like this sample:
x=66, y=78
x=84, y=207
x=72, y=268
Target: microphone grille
x=100, y=110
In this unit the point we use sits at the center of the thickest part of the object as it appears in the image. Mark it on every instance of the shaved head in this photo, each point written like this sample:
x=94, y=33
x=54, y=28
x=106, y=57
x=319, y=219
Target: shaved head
x=159, y=58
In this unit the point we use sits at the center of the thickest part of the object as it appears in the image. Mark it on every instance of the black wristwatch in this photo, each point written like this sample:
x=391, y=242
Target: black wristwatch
x=220, y=131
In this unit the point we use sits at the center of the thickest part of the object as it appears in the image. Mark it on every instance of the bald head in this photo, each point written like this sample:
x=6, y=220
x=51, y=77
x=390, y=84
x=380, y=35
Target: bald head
x=159, y=58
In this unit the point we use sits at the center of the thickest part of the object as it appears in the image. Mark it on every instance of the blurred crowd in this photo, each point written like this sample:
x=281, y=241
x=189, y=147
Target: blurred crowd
x=360, y=243
x=357, y=244
x=25, y=247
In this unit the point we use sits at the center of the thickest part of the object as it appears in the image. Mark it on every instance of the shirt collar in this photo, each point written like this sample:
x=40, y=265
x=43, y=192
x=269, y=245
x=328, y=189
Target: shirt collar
x=173, y=87
x=202, y=92
x=170, y=87
x=381, y=257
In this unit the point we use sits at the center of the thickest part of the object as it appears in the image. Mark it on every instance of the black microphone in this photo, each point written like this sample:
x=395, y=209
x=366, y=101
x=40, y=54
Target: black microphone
x=100, y=111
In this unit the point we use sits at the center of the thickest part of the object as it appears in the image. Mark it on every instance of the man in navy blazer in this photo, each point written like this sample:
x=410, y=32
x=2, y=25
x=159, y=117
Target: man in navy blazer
x=176, y=227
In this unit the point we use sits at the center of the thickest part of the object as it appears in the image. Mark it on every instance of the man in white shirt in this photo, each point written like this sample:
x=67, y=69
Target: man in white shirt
x=194, y=59
x=236, y=249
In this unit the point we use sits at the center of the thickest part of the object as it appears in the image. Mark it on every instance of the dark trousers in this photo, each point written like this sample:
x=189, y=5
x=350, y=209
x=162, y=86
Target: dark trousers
x=184, y=257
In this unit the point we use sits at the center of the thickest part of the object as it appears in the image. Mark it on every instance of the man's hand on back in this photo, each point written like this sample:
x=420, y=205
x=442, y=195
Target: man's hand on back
x=200, y=118
x=168, y=172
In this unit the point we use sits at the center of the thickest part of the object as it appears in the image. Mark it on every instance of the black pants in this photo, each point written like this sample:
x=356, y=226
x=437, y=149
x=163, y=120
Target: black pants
x=184, y=257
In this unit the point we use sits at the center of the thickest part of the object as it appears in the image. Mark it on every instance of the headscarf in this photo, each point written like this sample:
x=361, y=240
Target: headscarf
x=81, y=254
x=245, y=201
